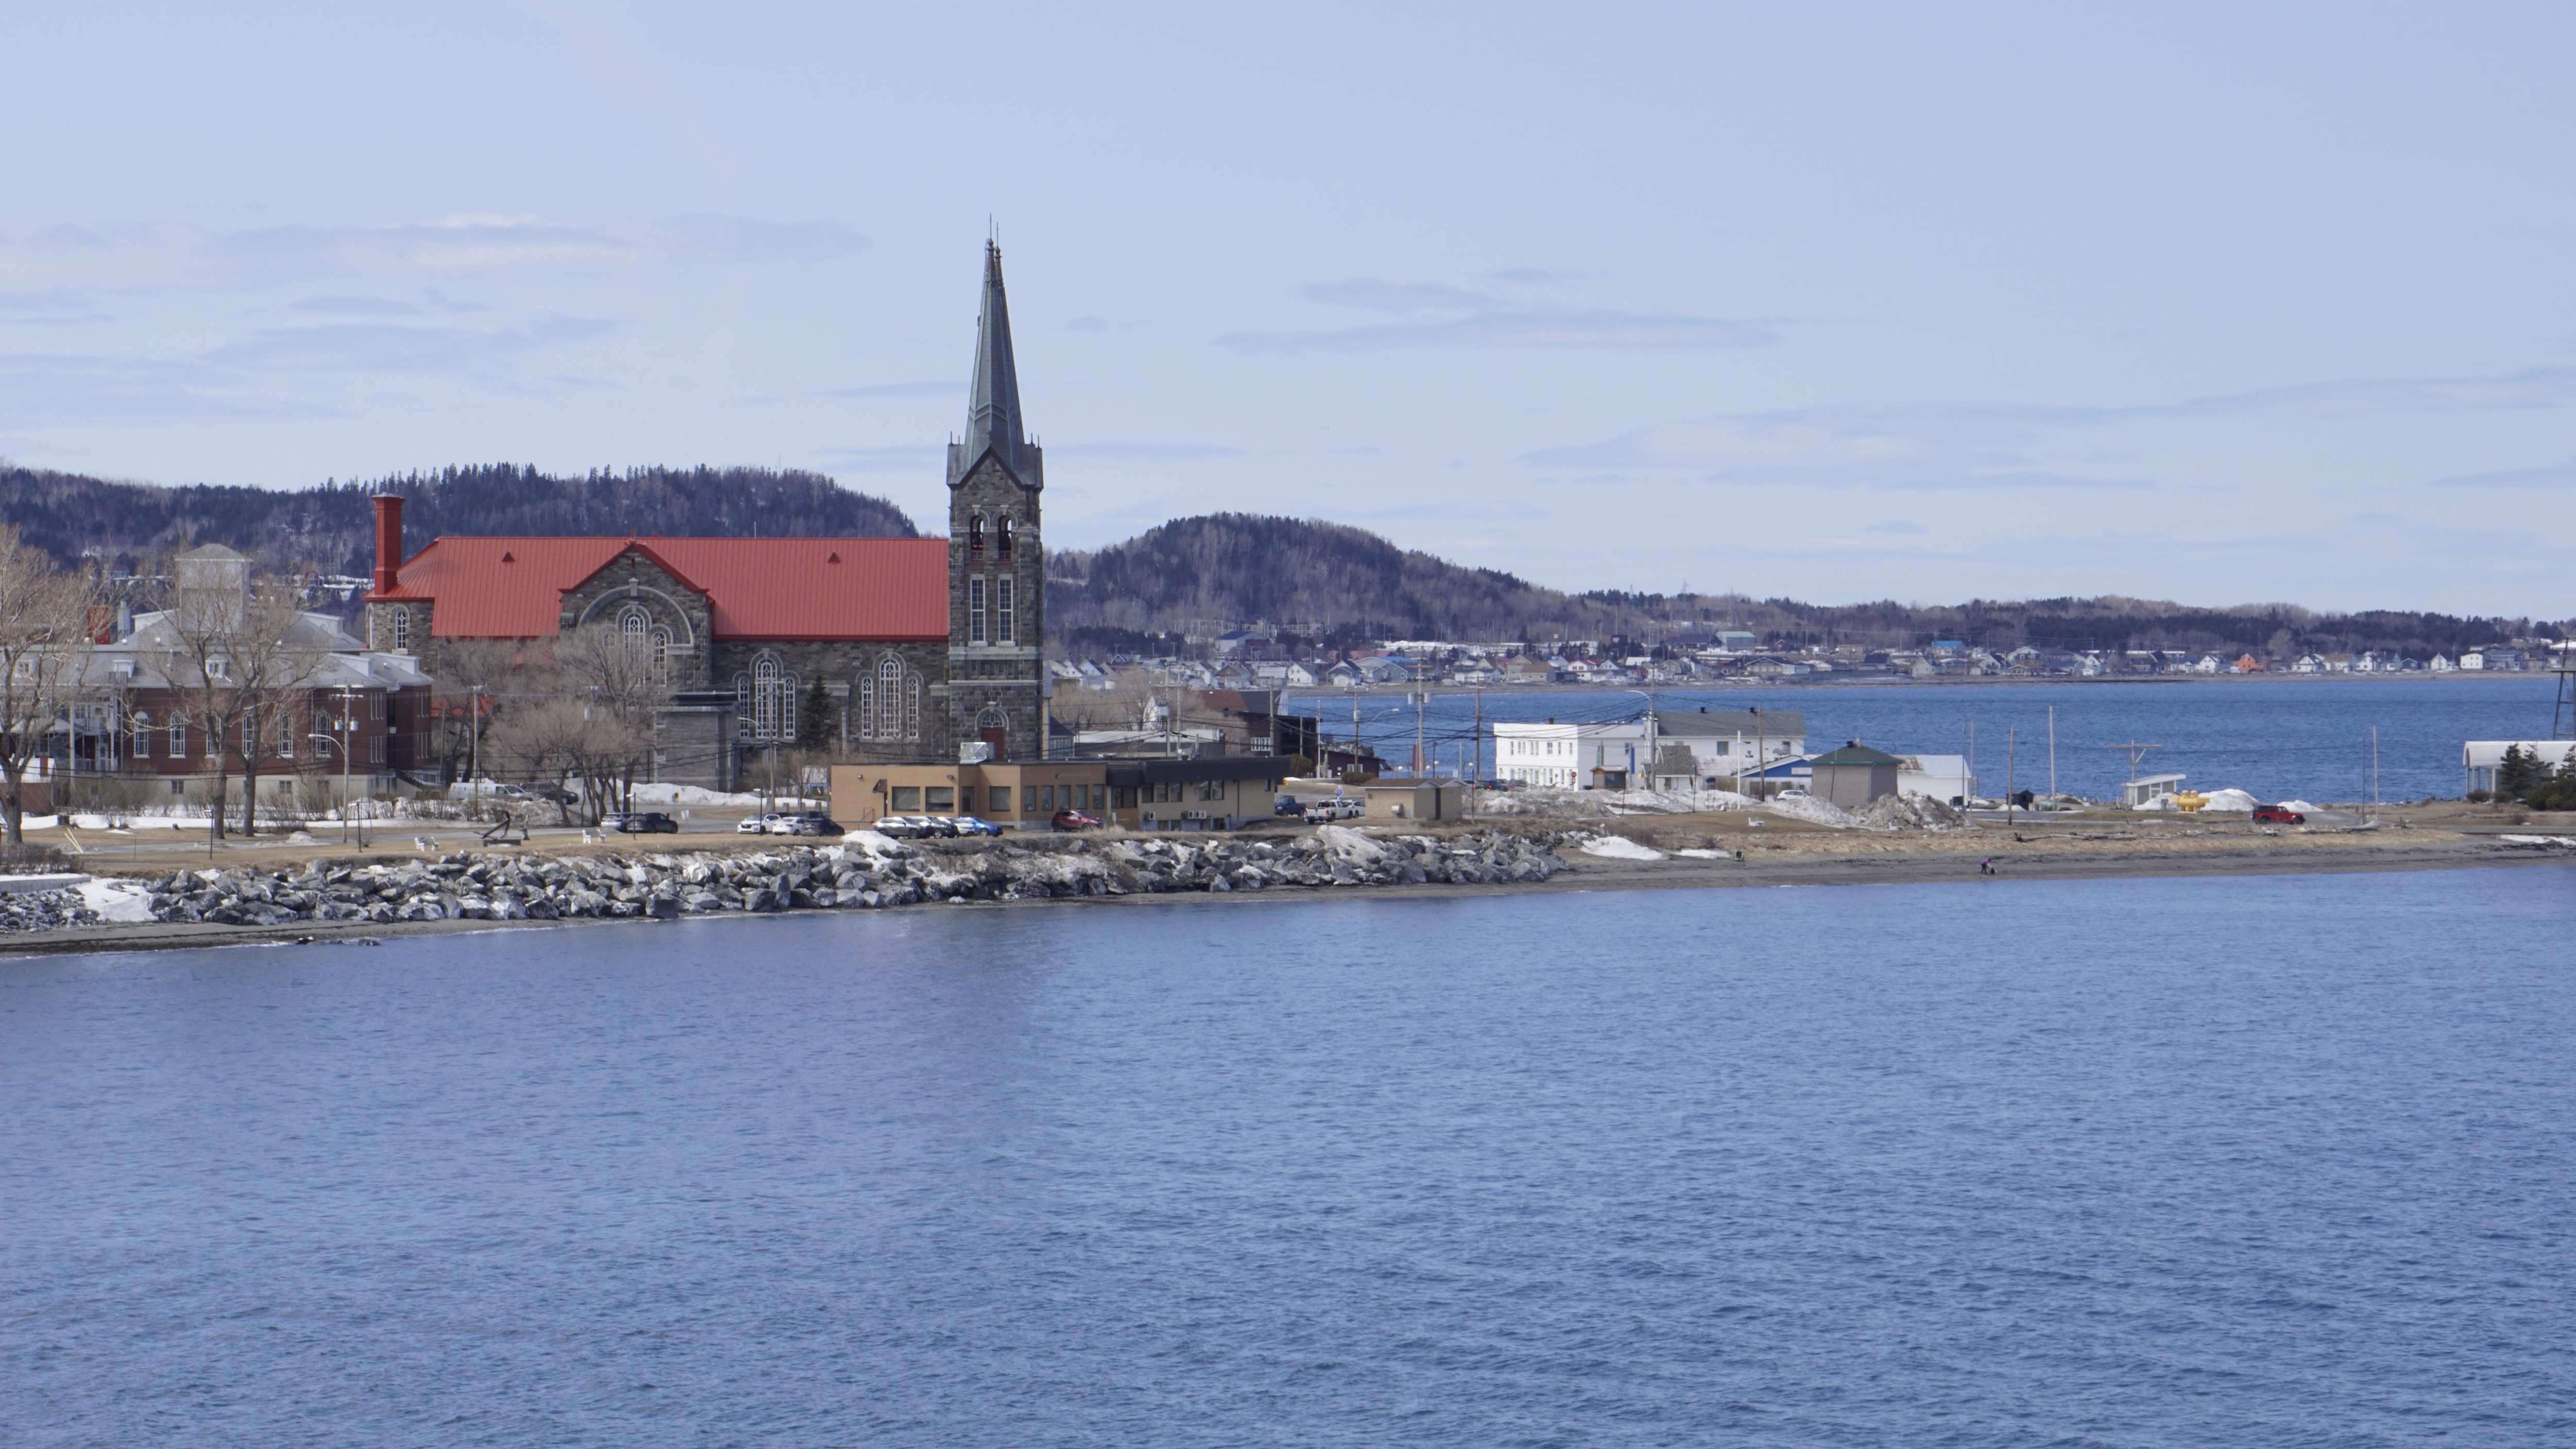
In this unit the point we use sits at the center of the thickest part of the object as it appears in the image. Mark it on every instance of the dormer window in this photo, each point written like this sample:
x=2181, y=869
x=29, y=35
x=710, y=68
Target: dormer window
x=975, y=536
x=1005, y=549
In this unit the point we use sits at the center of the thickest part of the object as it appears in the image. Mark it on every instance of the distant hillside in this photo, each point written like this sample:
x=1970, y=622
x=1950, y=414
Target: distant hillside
x=329, y=529
x=1330, y=582
x=1225, y=568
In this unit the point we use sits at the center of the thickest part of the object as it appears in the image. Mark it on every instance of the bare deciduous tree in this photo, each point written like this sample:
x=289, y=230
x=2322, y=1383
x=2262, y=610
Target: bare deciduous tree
x=581, y=710
x=240, y=659
x=43, y=645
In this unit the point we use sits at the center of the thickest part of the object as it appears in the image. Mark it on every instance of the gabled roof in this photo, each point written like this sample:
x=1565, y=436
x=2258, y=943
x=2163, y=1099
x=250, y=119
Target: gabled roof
x=757, y=588
x=1854, y=753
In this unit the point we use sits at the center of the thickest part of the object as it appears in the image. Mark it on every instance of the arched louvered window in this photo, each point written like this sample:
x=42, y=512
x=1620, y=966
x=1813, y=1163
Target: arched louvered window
x=881, y=701
x=975, y=535
x=1004, y=528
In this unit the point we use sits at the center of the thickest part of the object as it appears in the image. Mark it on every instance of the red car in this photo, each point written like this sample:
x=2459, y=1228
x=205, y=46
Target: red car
x=2275, y=815
x=1075, y=820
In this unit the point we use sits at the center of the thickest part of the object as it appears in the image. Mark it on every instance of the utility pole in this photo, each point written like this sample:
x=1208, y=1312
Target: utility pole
x=2137, y=754
x=2009, y=780
x=1968, y=801
x=1761, y=752
x=348, y=728
x=2374, y=774
x=1421, y=697
x=2052, y=751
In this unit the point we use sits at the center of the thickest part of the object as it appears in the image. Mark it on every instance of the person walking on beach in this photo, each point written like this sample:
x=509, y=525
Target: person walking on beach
x=1986, y=866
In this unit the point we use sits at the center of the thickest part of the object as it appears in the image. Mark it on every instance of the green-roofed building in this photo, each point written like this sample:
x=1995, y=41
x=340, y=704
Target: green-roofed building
x=1854, y=775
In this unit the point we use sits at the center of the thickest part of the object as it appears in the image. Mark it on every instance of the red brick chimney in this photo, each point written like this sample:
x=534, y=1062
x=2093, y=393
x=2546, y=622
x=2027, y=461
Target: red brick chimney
x=389, y=543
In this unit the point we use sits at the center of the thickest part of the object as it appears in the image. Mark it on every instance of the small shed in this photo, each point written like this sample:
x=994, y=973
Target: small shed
x=2138, y=792
x=1418, y=799
x=1854, y=775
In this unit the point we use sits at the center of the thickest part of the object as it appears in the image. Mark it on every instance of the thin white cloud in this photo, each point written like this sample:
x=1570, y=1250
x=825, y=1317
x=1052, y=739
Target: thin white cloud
x=1517, y=328
x=1144, y=452
x=885, y=460
x=2555, y=475
x=1379, y=296
x=173, y=256
x=1438, y=315
x=900, y=389
x=384, y=347
x=40, y=390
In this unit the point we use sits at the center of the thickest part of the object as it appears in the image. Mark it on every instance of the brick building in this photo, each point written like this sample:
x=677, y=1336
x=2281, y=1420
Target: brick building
x=921, y=644
x=139, y=693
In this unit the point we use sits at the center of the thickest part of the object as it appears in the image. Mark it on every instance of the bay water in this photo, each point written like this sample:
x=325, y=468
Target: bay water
x=2318, y=739
x=2268, y=1161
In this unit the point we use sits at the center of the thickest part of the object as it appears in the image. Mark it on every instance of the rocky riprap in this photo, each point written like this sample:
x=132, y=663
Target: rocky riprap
x=871, y=872
x=44, y=911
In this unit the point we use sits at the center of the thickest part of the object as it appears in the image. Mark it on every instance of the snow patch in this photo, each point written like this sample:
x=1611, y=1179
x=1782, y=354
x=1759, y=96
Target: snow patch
x=117, y=900
x=1619, y=847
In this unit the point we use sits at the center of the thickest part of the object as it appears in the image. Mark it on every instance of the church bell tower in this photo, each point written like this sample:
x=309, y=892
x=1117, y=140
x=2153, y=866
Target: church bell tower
x=997, y=681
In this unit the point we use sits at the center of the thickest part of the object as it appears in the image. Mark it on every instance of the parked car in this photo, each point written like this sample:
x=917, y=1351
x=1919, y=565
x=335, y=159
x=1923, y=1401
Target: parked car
x=814, y=823
x=2275, y=815
x=970, y=825
x=1325, y=811
x=758, y=824
x=553, y=794
x=1076, y=820
x=642, y=822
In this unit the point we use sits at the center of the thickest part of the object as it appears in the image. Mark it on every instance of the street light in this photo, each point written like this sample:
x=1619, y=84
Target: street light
x=331, y=744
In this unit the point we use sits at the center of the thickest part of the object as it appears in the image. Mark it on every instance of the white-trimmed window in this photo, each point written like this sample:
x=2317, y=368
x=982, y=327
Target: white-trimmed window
x=402, y=630
x=178, y=739
x=1003, y=623
x=765, y=700
x=975, y=633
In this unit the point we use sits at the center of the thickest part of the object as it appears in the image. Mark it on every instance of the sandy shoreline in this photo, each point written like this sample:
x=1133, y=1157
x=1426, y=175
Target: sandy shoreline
x=1903, y=860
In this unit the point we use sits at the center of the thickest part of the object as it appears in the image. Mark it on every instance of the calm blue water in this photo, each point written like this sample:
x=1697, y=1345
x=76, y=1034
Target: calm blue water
x=2278, y=1161
x=2279, y=739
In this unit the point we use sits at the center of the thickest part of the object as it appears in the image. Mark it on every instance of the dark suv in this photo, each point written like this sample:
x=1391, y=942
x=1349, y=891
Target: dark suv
x=643, y=822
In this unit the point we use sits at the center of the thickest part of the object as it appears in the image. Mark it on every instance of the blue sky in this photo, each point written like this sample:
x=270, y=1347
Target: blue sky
x=1929, y=303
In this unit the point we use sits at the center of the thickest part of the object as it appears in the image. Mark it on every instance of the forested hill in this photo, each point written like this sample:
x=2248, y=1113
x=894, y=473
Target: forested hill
x=1328, y=582
x=330, y=528
x=1226, y=568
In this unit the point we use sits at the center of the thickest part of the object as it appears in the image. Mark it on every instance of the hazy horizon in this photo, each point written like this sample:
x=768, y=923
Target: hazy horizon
x=1876, y=303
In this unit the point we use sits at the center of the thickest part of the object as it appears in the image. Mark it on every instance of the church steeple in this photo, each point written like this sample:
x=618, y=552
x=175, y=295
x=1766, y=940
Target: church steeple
x=993, y=422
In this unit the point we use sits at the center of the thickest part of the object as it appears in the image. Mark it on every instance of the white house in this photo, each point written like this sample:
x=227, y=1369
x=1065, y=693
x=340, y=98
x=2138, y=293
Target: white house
x=1722, y=743
x=1939, y=777
x=2473, y=659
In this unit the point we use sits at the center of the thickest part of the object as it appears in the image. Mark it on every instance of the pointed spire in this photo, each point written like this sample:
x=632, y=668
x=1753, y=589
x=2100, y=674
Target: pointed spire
x=993, y=401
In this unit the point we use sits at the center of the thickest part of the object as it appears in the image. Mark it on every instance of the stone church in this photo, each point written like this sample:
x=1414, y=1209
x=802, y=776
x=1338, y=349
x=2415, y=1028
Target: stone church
x=923, y=647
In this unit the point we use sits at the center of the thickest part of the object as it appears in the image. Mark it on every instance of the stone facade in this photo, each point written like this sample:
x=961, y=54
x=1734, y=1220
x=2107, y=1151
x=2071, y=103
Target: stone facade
x=401, y=628
x=996, y=612
x=635, y=594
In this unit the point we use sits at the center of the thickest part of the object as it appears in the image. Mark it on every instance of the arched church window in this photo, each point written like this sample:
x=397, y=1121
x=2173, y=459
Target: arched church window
x=975, y=535
x=1005, y=541
x=887, y=722
x=912, y=707
x=661, y=655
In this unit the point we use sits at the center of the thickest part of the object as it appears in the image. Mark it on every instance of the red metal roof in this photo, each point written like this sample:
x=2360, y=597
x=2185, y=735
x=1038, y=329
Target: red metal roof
x=759, y=588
